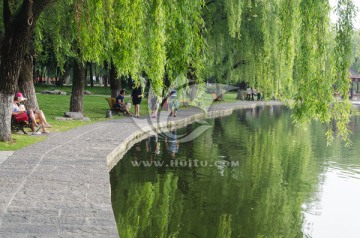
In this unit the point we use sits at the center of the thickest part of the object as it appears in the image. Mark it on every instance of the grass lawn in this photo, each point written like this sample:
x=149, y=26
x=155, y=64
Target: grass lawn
x=230, y=97
x=95, y=107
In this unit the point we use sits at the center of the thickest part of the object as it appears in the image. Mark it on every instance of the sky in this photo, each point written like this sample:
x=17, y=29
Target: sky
x=334, y=17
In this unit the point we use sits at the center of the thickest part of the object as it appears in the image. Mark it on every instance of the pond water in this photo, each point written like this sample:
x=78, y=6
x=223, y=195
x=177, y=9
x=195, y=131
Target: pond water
x=250, y=174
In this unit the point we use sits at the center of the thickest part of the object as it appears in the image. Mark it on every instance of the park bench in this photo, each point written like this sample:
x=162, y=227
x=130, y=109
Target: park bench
x=112, y=102
x=217, y=98
x=20, y=126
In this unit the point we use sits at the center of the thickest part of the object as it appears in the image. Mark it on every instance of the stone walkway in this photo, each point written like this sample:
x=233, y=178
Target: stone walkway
x=4, y=155
x=60, y=187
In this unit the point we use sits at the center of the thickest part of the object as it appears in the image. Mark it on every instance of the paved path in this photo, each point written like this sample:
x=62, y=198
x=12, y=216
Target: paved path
x=60, y=187
x=4, y=155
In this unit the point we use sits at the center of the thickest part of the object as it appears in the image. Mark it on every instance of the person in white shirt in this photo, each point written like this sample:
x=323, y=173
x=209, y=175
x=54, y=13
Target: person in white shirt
x=248, y=93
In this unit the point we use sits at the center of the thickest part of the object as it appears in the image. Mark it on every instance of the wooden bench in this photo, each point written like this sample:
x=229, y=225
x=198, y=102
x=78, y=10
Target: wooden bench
x=217, y=98
x=20, y=126
x=112, y=102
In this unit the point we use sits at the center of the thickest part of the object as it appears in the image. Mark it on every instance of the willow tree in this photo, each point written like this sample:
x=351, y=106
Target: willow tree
x=282, y=47
x=156, y=37
x=75, y=33
x=327, y=73
x=135, y=37
x=246, y=45
x=229, y=40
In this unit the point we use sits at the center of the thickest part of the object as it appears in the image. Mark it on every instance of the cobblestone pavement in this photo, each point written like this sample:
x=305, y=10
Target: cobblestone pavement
x=60, y=187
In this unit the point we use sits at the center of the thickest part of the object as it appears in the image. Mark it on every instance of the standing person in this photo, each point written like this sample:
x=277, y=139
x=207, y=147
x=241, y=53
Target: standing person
x=258, y=95
x=136, y=96
x=174, y=104
x=248, y=93
x=254, y=93
x=153, y=101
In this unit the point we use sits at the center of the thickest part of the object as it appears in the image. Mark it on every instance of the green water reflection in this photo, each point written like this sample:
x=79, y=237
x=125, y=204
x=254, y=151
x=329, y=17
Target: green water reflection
x=273, y=188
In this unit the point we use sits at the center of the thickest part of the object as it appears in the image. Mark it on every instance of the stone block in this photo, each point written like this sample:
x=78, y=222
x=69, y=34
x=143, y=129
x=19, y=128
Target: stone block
x=74, y=115
x=63, y=119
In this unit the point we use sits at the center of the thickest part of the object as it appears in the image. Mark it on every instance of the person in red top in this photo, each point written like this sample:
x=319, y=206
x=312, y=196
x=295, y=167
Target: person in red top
x=39, y=114
x=17, y=110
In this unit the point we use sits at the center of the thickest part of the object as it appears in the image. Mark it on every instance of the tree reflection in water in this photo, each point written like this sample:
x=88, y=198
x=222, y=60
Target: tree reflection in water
x=261, y=197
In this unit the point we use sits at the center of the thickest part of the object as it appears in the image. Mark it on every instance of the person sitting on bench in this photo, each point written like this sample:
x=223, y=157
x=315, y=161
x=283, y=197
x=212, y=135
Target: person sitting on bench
x=33, y=114
x=120, y=103
x=17, y=110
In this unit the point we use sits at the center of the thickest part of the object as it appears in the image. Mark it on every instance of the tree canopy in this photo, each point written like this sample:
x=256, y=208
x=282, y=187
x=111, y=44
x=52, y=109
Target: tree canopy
x=282, y=47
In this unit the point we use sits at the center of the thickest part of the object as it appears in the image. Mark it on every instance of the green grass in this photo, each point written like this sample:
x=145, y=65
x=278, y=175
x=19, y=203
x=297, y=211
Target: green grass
x=230, y=97
x=20, y=141
x=95, y=107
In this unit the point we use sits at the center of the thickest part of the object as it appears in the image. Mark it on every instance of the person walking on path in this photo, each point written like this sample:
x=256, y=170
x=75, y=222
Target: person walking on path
x=174, y=103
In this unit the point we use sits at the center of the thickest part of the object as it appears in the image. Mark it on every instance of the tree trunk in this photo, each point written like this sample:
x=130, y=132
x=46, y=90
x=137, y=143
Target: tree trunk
x=97, y=74
x=105, y=74
x=35, y=77
x=67, y=74
x=115, y=84
x=26, y=83
x=60, y=79
x=43, y=78
x=91, y=74
x=6, y=101
x=78, y=85
x=240, y=95
x=86, y=73
x=18, y=31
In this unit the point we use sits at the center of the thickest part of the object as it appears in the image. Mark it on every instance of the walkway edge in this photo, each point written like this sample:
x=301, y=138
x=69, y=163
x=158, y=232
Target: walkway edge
x=117, y=154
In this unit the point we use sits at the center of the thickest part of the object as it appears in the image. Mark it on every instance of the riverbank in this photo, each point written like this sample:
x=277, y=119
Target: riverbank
x=60, y=187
